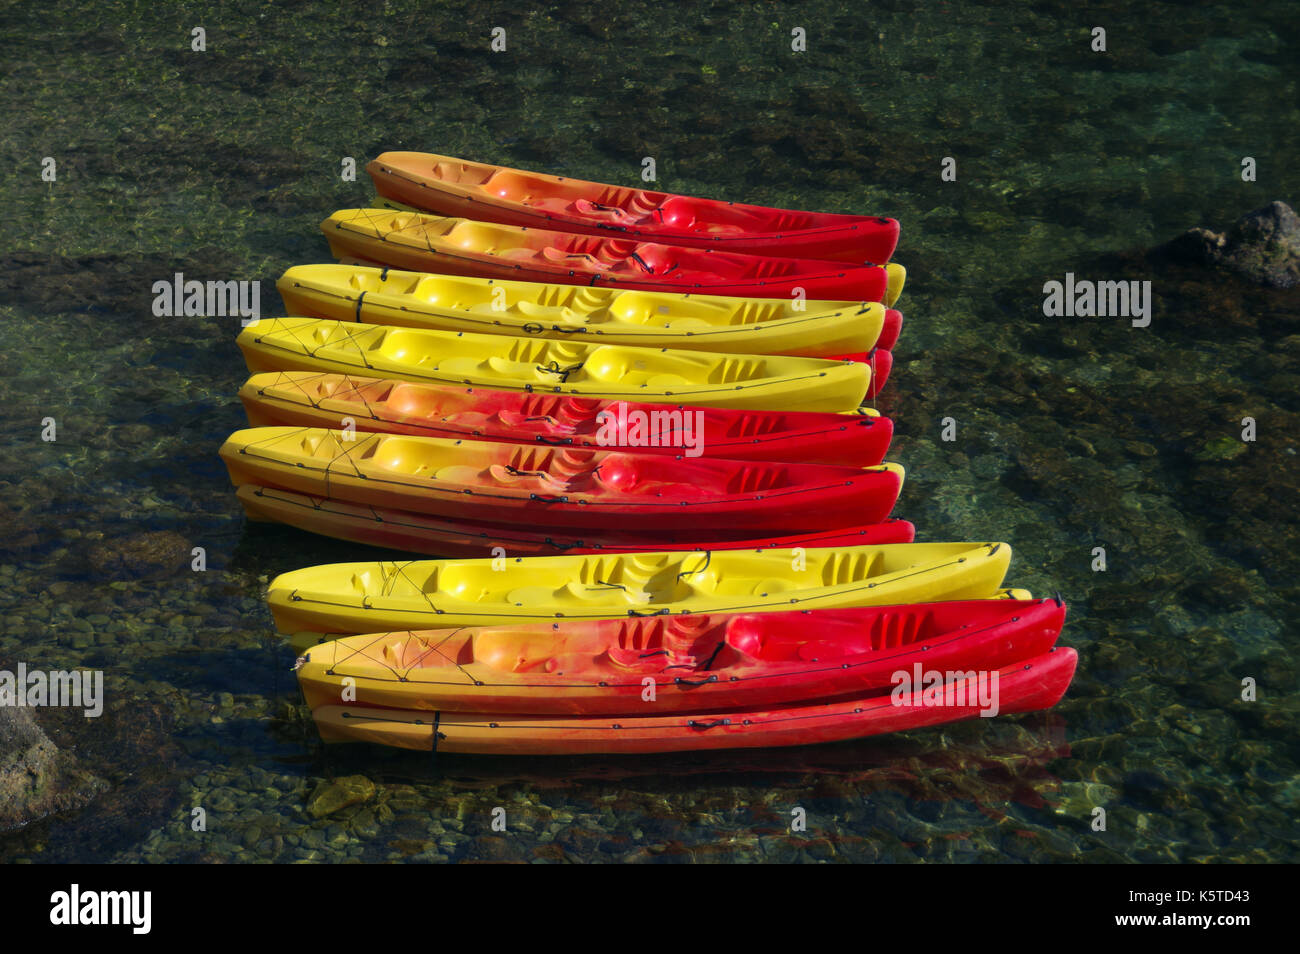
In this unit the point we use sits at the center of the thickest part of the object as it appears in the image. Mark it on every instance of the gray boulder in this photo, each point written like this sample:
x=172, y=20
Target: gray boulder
x=36, y=779
x=1262, y=247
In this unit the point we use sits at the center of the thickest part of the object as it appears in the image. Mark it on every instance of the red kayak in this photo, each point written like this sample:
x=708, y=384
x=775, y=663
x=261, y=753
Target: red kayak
x=317, y=399
x=560, y=487
x=1037, y=683
x=433, y=536
x=477, y=190
x=426, y=243
x=698, y=663
x=881, y=362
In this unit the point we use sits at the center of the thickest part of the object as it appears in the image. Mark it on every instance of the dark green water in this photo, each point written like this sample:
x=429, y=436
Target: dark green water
x=1072, y=433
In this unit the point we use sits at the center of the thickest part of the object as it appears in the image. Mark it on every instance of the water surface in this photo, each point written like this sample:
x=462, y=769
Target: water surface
x=1072, y=433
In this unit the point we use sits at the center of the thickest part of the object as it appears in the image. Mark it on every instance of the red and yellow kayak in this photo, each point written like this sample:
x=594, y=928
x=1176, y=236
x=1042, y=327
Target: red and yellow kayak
x=428, y=243
x=560, y=487
x=1037, y=683
x=657, y=665
x=386, y=405
x=478, y=190
x=434, y=536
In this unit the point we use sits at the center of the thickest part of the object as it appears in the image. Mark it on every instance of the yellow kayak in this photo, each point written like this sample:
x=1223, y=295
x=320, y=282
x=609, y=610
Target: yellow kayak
x=539, y=365
x=648, y=319
x=895, y=274
x=354, y=598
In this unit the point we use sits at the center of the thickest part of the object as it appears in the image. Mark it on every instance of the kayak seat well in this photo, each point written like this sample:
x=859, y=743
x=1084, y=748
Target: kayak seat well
x=507, y=650
x=757, y=638
x=514, y=185
x=462, y=173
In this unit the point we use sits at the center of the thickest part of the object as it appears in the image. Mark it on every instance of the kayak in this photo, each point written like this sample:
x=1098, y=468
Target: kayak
x=817, y=329
x=430, y=243
x=577, y=369
x=511, y=484
x=435, y=536
x=351, y=598
x=1028, y=686
x=478, y=190
x=880, y=362
x=302, y=641
x=696, y=664
x=856, y=439
x=895, y=280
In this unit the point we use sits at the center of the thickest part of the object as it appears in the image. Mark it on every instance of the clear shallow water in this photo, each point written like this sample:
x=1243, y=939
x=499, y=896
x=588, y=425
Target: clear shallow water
x=1073, y=433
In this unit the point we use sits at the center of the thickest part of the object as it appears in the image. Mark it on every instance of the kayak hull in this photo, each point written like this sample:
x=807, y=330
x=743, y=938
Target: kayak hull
x=562, y=368
x=432, y=536
x=459, y=246
x=508, y=484
x=881, y=363
x=695, y=664
x=816, y=329
x=1032, y=685
x=353, y=598
x=455, y=187
x=390, y=406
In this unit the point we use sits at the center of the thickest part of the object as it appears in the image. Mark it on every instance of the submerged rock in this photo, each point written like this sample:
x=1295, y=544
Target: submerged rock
x=152, y=555
x=36, y=779
x=332, y=796
x=1262, y=247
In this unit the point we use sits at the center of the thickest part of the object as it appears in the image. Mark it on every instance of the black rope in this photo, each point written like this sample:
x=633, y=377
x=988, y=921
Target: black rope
x=554, y=368
x=516, y=472
x=708, y=558
x=640, y=261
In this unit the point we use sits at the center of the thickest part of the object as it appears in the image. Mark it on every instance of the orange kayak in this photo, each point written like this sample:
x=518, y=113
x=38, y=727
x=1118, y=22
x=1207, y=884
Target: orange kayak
x=1037, y=683
x=698, y=663
x=430, y=243
x=479, y=190
x=391, y=406
x=432, y=536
